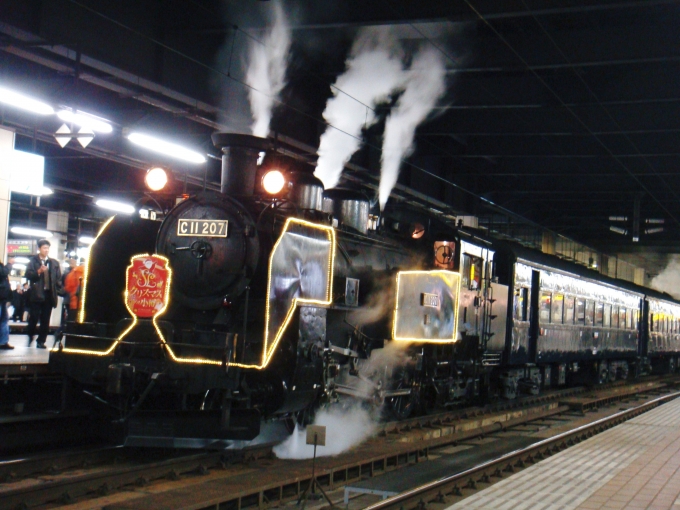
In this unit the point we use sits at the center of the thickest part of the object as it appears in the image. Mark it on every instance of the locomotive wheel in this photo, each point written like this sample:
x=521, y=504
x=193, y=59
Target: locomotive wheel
x=402, y=407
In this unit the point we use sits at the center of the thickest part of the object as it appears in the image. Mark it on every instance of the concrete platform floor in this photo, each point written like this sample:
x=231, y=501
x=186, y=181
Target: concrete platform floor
x=635, y=465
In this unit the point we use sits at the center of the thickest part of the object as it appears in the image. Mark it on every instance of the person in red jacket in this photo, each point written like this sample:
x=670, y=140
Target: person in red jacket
x=72, y=283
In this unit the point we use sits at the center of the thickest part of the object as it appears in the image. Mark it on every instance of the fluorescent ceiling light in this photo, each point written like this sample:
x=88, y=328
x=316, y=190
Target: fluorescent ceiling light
x=24, y=102
x=35, y=190
x=115, y=206
x=168, y=148
x=22, y=260
x=85, y=240
x=33, y=232
x=82, y=119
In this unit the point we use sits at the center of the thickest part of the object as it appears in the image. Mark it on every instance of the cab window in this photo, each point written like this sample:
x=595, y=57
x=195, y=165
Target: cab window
x=472, y=272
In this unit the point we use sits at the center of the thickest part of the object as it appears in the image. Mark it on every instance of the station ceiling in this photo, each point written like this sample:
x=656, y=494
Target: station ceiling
x=558, y=114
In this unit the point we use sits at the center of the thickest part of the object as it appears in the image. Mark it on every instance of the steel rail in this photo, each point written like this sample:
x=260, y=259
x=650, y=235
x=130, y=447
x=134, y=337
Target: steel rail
x=477, y=423
x=420, y=496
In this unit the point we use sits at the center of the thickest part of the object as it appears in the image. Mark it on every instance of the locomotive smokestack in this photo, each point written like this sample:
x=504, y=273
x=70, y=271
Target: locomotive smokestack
x=239, y=161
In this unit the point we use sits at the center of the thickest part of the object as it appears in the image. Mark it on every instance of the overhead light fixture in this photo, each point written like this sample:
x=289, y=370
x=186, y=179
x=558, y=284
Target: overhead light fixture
x=24, y=102
x=33, y=232
x=273, y=182
x=618, y=230
x=156, y=179
x=167, y=148
x=84, y=240
x=86, y=120
x=39, y=191
x=20, y=267
x=21, y=260
x=115, y=206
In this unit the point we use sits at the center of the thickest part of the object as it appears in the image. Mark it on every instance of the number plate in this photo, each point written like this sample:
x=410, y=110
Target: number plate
x=202, y=228
x=431, y=300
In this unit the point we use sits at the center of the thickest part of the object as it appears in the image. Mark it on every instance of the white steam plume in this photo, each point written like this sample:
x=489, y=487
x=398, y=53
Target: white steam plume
x=345, y=428
x=425, y=86
x=668, y=280
x=267, y=70
x=374, y=70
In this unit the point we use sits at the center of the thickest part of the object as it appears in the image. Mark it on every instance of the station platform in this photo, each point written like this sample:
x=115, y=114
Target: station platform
x=635, y=465
x=24, y=359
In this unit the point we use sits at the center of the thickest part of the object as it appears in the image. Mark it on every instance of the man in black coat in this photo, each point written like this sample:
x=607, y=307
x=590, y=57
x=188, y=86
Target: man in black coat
x=45, y=277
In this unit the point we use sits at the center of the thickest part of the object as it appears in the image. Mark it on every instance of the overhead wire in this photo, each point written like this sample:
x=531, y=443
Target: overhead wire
x=499, y=208
x=599, y=102
x=454, y=61
x=570, y=110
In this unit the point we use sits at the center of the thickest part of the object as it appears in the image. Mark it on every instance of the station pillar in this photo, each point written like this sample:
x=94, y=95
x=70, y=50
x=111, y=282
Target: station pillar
x=6, y=142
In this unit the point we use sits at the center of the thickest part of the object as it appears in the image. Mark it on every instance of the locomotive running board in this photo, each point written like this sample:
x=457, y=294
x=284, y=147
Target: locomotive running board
x=190, y=429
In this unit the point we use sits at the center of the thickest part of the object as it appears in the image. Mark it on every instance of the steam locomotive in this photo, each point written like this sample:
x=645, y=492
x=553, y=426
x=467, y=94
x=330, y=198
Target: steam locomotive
x=281, y=300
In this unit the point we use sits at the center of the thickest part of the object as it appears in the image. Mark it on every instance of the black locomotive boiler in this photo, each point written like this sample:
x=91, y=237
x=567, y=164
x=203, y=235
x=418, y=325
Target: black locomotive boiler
x=283, y=302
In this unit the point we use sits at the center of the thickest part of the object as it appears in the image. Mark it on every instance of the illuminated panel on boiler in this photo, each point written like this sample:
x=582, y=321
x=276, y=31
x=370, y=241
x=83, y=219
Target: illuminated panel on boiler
x=300, y=272
x=426, y=308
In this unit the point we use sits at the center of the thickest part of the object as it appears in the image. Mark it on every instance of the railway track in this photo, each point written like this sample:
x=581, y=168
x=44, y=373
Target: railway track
x=253, y=478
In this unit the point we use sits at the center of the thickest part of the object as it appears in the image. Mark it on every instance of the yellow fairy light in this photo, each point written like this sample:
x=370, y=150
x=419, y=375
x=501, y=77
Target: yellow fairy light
x=330, y=233
x=268, y=350
x=447, y=276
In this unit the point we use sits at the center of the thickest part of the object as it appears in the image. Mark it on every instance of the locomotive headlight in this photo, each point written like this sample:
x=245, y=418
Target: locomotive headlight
x=273, y=182
x=156, y=179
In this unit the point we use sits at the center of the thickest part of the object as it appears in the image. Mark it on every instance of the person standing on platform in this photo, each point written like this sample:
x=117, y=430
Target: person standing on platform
x=72, y=286
x=45, y=277
x=5, y=295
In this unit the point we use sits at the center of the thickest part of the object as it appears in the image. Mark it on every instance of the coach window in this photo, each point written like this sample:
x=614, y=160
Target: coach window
x=544, y=308
x=590, y=312
x=599, y=313
x=615, y=317
x=520, y=305
x=580, y=310
x=557, y=308
x=634, y=319
x=623, y=323
x=607, y=322
x=568, y=310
